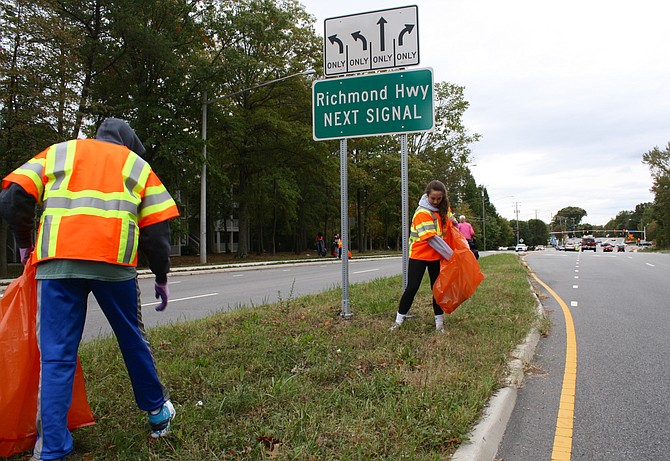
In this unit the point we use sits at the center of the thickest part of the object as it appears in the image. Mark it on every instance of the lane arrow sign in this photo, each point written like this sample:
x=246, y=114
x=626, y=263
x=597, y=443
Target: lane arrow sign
x=382, y=41
x=333, y=39
x=407, y=30
x=357, y=36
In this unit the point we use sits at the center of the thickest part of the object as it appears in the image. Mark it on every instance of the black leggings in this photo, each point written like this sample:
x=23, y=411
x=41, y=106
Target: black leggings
x=415, y=270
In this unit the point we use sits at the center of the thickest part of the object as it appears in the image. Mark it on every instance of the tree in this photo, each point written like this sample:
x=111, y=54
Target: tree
x=265, y=40
x=537, y=232
x=571, y=214
x=65, y=65
x=658, y=162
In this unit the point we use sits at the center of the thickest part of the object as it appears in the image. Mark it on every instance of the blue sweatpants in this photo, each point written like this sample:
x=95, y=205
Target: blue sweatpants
x=61, y=313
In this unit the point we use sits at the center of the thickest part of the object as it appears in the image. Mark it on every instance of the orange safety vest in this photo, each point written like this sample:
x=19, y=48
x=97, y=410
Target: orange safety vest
x=425, y=224
x=96, y=196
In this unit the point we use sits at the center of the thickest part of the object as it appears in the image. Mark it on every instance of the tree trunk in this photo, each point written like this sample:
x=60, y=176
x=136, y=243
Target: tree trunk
x=359, y=223
x=94, y=36
x=274, y=219
x=243, y=242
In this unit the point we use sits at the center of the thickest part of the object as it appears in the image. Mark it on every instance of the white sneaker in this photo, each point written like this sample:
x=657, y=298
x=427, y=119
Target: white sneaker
x=160, y=423
x=395, y=326
x=440, y=329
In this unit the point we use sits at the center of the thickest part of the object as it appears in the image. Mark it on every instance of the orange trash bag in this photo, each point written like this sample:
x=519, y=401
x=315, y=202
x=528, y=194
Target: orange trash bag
x=459, y=276
x=20, y=367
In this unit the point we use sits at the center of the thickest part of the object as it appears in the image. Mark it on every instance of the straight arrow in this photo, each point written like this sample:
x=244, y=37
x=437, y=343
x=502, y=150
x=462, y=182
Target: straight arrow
x=382, y=41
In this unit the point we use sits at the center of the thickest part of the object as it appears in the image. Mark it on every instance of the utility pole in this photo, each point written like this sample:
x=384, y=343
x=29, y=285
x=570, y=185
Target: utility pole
x=516, y=212
x=483, y=219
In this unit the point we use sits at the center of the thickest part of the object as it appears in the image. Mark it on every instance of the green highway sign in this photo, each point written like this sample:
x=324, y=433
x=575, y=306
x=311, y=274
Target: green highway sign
x=373, y=105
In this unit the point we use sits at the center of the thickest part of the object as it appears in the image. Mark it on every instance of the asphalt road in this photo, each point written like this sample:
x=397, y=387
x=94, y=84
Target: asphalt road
x=198, y=294
x=620, y=305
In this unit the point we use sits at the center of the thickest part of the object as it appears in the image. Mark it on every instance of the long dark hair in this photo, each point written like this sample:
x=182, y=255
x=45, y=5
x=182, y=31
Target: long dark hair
x=436, y=185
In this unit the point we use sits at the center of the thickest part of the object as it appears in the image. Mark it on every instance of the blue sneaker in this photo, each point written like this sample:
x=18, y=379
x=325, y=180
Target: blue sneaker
x=160, y=422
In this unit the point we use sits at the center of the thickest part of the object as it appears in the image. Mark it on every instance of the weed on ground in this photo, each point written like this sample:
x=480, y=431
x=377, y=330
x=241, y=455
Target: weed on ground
x=295, y=381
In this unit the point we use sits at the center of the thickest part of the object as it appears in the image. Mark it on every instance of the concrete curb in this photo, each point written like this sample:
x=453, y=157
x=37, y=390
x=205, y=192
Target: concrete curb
x=194, y=270
x=486, y=436
x=484, y=439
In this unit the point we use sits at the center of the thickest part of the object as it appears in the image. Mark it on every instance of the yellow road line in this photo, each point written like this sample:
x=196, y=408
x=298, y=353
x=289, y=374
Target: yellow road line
x=566, y=409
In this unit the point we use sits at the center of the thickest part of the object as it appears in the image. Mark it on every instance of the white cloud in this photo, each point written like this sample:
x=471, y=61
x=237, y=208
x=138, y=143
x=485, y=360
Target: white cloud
x=568, y=95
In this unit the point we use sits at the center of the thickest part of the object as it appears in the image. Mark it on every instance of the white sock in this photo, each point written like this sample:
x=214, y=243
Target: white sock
x=399, y=318
x=439, y=321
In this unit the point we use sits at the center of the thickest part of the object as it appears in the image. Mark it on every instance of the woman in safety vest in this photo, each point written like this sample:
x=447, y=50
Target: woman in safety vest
x=101, y=204
x=426, y=249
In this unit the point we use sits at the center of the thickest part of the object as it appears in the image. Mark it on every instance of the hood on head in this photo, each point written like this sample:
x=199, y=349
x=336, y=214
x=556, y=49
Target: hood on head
x=116, y=131
x=426, y=204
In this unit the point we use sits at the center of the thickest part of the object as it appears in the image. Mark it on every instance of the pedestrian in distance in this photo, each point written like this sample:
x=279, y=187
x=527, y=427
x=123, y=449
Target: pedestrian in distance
x=426, y=249
x=468, y=232
x=101, y=204
x=336, y=246
x=320, y=244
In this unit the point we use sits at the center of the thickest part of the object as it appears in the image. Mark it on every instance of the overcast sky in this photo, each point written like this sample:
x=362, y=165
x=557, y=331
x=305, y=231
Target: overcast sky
x=567, y=95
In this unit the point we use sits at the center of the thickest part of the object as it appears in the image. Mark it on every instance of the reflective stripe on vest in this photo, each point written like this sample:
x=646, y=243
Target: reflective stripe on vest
x=61, y=204
x=429, y=224
x=29, y=176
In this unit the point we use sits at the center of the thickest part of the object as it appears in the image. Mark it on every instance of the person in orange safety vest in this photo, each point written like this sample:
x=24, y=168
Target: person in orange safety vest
x=102, y=203
x=426, y=248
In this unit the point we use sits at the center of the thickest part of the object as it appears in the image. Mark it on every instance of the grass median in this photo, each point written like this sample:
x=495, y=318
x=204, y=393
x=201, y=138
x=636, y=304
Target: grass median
x=294, y=381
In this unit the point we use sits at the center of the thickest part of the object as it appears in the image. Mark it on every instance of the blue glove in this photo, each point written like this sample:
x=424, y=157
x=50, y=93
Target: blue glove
x=162, y=292
x=25, y=255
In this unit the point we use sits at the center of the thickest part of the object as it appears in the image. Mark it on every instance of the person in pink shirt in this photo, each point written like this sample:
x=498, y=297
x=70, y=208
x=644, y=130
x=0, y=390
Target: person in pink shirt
x=469, y=233
x=465, y=228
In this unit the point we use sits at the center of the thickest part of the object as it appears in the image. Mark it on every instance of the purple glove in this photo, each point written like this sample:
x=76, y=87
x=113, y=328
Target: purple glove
x=25, y=255
x=162, y=292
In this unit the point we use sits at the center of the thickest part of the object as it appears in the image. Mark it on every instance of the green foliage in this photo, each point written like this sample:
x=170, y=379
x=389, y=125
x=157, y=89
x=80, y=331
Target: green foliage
x=572, y=215
x=296, y=381
x=66, y=65
x=659, y=165
x=538, y=232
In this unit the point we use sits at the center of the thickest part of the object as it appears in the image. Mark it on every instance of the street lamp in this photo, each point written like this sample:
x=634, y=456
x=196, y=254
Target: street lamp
x=203, y=177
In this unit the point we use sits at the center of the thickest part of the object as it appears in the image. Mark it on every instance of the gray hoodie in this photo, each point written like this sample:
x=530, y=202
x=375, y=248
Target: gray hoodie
x=436, y=244
x=116, y=131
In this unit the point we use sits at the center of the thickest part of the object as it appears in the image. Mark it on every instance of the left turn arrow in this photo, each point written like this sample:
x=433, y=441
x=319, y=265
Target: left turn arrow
x=333, y=39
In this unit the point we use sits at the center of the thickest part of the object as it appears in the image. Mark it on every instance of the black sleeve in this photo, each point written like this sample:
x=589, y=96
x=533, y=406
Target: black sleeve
x=155, y=244
x=17, y=208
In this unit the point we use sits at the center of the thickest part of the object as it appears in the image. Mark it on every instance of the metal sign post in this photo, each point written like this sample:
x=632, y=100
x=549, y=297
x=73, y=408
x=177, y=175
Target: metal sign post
x=344, y=235
x=405, y=218
x=395, y=102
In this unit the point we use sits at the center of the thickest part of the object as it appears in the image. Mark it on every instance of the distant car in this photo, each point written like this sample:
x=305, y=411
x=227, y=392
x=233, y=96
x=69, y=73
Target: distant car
x=644, y=243
x=539, y=247
x=607, y=247
x=521, y=247
x=570, y=246
x=502, y=248
x=620, y=247
x=588, y=243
